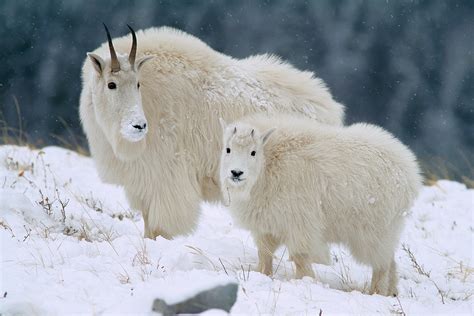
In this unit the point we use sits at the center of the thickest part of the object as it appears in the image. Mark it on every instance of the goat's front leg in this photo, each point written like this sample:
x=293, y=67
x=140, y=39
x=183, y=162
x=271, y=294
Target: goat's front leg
x=266, y=244
x=303, y=265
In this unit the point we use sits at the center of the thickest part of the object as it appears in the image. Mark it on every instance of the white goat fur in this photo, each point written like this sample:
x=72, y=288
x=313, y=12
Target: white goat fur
x=185, y=88
x=310, y=185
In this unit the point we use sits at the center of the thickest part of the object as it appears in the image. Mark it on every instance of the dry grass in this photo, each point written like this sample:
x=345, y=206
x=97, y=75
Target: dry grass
x=461, y=271
x=51, y=198
x=18, y=136
x=421, y=270
x=436, y=168
x=343, y=272
x=398, y=308
x=201, y=257
x=142, y=261
x=275, y=297
x=4, y=225
x=10, y=135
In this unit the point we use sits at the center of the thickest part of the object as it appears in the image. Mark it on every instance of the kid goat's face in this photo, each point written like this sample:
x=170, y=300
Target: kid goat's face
x=242, y=157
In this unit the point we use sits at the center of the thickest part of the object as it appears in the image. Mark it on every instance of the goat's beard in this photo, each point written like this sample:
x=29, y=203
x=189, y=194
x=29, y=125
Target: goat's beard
x=234, y=193
x=126, y=150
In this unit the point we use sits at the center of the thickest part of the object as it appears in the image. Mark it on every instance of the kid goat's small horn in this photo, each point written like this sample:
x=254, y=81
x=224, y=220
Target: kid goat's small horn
x=115, y=65
x=133, y=51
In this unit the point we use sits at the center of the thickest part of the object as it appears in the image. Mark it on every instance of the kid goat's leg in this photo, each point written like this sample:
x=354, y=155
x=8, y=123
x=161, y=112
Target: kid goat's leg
x=267, y=244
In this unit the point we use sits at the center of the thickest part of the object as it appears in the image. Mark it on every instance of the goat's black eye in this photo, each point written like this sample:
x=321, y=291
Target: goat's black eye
x=228, y=150
x=253, y=153
x=138, y=85
x=111, y=85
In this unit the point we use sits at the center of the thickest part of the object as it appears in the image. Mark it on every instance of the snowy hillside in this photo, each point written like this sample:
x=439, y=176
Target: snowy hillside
x=70, y=243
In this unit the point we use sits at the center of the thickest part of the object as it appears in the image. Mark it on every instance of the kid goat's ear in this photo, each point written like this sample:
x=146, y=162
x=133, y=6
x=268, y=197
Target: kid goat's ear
x=267, y=134
x=97, y=62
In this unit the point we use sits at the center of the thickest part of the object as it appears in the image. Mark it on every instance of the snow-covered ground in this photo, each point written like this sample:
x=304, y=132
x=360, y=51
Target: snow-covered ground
x=71, y=244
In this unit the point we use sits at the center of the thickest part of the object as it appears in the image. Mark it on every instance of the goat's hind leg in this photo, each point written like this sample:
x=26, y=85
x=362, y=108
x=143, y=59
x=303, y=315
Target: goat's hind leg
x=378, y=253
x=385, y=280
x=393, y=279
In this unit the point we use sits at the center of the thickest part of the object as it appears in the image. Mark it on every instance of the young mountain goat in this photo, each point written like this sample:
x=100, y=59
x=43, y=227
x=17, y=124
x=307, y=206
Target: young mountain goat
x=292, y=181
x=152, y=124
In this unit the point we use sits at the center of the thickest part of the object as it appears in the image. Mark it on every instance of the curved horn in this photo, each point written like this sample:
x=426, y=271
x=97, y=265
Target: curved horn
x=115, y=65
x=133, y=51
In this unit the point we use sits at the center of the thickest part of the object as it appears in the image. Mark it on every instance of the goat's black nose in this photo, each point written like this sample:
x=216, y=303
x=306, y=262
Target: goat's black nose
x=140, y=126
x=237, y=173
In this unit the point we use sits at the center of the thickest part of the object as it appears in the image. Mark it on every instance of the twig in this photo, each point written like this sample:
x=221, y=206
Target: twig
x=421, y=270
x=225, y=270
x=46, y=204
x=63, y=207
x=401, y=307
x=28, y=231
x=243, y=272
x=279, y=262
x=7, y=227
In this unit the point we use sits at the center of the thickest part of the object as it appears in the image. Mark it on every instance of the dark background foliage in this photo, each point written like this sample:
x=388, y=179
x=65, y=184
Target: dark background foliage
x=405, y=65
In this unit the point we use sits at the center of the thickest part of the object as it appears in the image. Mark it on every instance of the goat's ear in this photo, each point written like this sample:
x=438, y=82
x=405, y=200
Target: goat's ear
x=97, y=62
x=141, y=61
x=223, y=123
x=267, y=134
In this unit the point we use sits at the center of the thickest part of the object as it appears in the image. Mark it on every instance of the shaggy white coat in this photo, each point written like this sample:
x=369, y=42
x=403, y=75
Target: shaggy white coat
x=185, y=88
x=308, y=185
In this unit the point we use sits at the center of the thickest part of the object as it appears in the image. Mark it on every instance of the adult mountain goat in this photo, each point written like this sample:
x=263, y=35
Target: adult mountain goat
x=292, y=181
x=151, y=117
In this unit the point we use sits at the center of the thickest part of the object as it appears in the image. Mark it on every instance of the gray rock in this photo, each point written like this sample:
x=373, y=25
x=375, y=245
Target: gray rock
x=220, y=297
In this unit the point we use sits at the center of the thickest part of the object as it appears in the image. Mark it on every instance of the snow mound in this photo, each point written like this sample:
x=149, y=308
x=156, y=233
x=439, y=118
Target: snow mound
x=71, y=244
